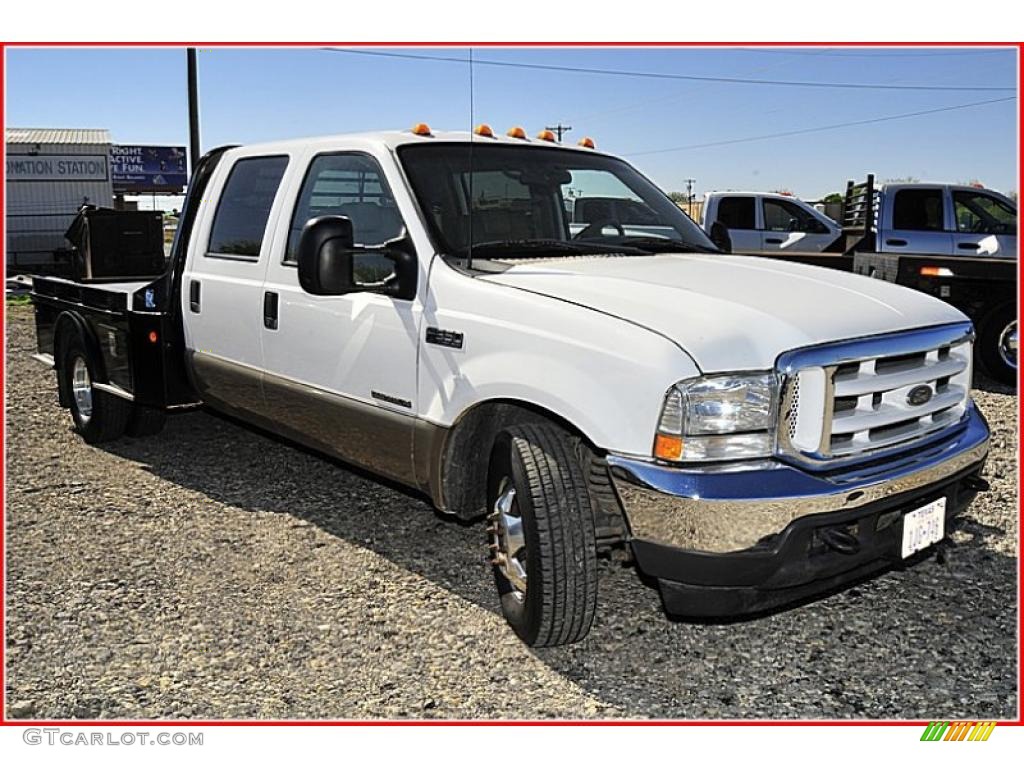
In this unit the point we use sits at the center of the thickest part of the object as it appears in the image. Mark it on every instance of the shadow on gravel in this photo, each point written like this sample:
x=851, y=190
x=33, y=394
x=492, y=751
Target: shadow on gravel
x=937, y=640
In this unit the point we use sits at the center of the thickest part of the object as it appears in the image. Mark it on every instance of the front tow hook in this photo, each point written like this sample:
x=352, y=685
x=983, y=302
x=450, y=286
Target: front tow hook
x=839, y=540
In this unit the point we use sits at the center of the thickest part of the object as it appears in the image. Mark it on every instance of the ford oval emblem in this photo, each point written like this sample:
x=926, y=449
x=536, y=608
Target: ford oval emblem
x=919, y=395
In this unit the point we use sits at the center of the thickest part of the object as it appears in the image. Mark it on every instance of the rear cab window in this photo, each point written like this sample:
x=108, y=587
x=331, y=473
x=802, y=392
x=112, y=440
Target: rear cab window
x=737, y=212
x=919, y=210
x=243, y=209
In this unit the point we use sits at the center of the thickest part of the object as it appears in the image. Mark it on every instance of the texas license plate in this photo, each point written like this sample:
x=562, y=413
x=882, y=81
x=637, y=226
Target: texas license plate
x=924, y=526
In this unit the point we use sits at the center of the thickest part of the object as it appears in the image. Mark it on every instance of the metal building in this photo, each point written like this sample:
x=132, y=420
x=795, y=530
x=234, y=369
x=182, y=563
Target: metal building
x=50, y=173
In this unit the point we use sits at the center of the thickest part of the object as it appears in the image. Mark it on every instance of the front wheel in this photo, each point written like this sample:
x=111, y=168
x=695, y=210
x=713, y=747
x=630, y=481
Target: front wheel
x=541, y=535
x=997, y=344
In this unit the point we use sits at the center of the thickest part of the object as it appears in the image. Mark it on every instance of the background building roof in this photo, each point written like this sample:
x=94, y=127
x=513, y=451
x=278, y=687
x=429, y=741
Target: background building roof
x=57, y=136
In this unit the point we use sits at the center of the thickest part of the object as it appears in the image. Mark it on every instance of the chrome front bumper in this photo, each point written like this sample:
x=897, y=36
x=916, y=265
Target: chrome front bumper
x=733, y=508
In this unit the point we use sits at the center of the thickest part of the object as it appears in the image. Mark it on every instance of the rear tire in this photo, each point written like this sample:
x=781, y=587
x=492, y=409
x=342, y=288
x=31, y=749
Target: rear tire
x=542, y=535
x=145, y=422
x=997, y=344
x=99, y=417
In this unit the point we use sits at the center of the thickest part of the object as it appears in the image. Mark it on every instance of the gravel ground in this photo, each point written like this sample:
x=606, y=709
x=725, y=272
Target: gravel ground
x=212, y=572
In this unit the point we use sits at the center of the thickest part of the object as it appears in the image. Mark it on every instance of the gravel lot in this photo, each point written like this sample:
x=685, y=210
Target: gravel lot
x=212, y=572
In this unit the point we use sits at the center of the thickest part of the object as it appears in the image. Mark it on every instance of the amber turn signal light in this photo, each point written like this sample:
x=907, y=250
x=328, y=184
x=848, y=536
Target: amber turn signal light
x=668, y=447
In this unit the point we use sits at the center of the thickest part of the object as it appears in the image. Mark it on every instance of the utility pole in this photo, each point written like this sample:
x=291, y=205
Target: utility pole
x=559, y=130
x=689, y=196
x=193, y=110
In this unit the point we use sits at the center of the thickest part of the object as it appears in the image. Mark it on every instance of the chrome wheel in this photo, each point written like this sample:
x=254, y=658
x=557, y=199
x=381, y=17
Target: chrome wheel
x=81, y=388
x=508, y=542
x=1008, y=344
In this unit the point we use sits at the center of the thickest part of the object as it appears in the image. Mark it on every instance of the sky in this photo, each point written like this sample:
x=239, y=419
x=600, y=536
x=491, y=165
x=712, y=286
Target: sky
x=662, y=125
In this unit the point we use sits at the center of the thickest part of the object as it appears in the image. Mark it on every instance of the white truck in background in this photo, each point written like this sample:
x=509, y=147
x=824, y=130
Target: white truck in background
x=419, y=304
x=769, y=223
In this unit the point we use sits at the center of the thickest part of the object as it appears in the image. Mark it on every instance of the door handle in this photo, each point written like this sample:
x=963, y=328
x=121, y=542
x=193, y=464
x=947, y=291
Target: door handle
x=774, y=240
x=270, y=310
x=968, y=246
x=193, y=295
x=895, y=241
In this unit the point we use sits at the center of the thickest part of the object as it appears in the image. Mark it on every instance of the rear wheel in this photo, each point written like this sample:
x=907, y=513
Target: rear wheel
x=997, y=344
x=98, y=416
x=541, y=535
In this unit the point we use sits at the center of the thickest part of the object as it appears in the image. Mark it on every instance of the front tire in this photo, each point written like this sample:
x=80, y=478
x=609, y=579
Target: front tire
x=99, y=417
x=997, y=344
x=542, y=539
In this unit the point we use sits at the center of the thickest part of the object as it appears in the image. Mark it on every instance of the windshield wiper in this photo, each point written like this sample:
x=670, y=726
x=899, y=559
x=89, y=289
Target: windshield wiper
x=652, y=244
x=538, y=248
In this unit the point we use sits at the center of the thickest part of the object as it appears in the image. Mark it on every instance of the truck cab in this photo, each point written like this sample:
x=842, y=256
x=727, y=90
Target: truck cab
x=423, y=305
x=945, y=220
x=769, y=224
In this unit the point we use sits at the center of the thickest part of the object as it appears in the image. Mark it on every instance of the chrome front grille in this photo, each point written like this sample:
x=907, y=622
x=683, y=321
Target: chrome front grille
x=857, y=399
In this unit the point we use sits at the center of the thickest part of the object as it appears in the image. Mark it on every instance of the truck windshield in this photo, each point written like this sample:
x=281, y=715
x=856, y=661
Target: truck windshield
x=540, y=202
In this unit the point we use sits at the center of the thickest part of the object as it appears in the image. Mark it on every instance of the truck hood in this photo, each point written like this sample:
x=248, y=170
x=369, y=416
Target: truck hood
x=730, y=312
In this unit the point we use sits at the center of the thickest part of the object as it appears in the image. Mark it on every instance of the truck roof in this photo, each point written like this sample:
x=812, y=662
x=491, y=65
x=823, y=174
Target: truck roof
x=394, y=139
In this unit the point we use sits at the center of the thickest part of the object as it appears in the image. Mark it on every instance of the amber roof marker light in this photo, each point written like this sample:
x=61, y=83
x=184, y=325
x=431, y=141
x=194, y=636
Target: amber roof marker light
x=586, y=142
x=516, y=132
x=484, y=130
x=421, y=129
x=546, y=135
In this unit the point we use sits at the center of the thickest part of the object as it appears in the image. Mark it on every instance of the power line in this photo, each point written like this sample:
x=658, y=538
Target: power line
x=876, y=53
x=671, y=76
x=831, y=127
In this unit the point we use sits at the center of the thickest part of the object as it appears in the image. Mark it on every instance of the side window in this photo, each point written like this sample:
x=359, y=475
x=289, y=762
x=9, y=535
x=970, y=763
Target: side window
x=244, y=207
x=349, y=185
x=918, y=209
x=983, y=214
x=736, y=212
x=784, y=216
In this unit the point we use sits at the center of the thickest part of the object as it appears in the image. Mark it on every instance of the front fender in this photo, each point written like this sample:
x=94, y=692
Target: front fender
x=604, y=375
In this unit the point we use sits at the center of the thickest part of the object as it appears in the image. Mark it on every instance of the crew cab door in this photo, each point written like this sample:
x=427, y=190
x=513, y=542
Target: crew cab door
x=984, y=224
x=739, y=215
x=789, y=226
x=914, y=220
x=222, y=283
x=340, y=371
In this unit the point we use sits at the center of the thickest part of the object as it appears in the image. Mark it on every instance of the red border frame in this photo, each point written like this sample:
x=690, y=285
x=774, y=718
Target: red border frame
x=488, y=44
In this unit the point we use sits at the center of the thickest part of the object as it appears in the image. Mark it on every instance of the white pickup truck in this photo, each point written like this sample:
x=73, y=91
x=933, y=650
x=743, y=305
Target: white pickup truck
x=769, y=223
x=415, y=303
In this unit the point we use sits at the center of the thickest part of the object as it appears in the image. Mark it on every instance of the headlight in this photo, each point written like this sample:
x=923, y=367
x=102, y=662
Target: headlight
x=712, y=418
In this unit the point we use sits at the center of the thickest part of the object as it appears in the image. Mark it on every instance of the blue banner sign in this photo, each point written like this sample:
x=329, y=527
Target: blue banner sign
x=145, y=169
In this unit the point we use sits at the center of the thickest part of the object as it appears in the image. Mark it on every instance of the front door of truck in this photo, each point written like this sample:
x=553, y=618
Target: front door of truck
x=790, y=227
x=914, y=221
x=222, y=282
x=340, y=371
x=738, y=214
x=985, y=225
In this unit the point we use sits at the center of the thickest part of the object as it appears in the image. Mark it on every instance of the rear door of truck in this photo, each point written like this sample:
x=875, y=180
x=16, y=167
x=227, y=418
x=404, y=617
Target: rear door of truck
x=222, y=284
x=915, y=219
x=739, y=215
